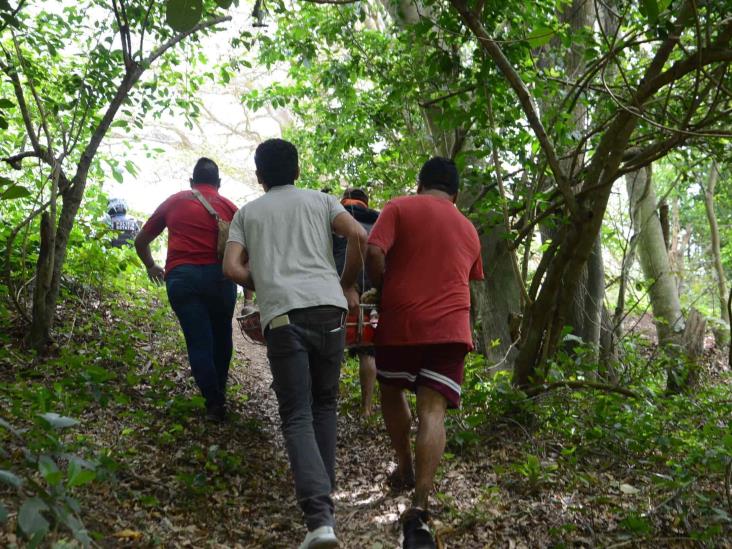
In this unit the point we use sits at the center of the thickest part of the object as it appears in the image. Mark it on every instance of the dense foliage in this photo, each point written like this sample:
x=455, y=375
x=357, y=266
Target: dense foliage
x=593, y=391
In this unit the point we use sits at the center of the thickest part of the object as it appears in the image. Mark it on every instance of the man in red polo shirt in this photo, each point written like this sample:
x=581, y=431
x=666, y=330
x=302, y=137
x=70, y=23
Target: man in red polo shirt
x=202, y=298
x=422, y=253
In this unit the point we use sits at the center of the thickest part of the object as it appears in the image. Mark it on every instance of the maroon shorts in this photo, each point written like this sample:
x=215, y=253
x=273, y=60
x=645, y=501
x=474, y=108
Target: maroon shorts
x=438, y=366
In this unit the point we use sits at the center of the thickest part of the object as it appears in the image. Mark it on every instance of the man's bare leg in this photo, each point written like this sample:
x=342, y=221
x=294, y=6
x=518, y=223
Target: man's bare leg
x=367, y=377
x=430, y=445
x=398, y=421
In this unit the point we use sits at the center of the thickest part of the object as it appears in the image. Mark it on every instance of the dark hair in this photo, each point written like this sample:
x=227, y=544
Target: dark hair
x=276, y=162
x=356, y=194
x=206, y=171
x=440, y=174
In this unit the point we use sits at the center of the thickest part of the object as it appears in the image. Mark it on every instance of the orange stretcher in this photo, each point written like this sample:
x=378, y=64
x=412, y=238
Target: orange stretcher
x=360, y=327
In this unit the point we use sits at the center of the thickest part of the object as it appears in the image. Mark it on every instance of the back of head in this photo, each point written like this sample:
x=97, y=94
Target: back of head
x=276, y=162
x=440, y=174
x=205, y=172
x=356, y=194
x=116, y=206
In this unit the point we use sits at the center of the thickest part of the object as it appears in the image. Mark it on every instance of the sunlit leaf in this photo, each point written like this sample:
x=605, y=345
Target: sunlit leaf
x=540, y=36
x=58, y=421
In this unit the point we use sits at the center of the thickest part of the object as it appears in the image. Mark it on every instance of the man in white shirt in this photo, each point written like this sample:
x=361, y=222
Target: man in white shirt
x=280, y=246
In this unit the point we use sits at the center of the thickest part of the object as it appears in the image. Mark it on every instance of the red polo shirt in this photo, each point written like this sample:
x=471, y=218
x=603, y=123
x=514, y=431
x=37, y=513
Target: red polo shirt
x=432, y=251
x=192, y=231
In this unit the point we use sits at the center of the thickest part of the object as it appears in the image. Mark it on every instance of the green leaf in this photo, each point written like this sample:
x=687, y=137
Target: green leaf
x=14, y=192
x=82, y=477
x=226, y=4
x=50, y=471
x=130, y=167
x=6, y=103
x=58, y=421
x=10, y=478
x=636, y=524
x=540, y=36
x=183, y=15
x=6, y=181
x=649, y=8
x=78, y=475
x=117, y=175
x=30, y=519
x=727, y=441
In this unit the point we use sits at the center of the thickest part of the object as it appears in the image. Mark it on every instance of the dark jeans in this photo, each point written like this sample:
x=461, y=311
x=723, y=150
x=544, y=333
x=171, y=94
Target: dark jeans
x=203, y=301
x=305, y=359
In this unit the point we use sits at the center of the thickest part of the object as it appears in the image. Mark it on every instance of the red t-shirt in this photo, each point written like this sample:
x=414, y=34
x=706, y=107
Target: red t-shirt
x=432, y=251
x=192, y=231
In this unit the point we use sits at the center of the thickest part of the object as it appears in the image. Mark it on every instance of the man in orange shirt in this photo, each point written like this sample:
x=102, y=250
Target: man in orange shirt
x=422, y=253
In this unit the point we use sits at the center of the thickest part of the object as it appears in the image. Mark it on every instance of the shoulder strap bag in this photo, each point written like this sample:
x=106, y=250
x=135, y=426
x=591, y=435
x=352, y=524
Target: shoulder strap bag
x=223, y=225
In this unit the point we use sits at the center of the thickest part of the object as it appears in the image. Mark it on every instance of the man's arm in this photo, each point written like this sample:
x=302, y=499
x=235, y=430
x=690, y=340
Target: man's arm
x=142, y=247
x=375, y=261
x=236, y=265
x=346, y=226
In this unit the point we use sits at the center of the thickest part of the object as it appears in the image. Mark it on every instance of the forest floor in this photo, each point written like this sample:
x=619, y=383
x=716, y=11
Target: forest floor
x=176, y=481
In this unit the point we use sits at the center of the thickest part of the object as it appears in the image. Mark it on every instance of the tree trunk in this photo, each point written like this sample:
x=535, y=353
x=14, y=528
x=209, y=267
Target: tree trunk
x=662, y=289
x=42, y=317
x=721, y=333
x=585, y=315
x=608, y=348
x=693, y=343
x=496, y=299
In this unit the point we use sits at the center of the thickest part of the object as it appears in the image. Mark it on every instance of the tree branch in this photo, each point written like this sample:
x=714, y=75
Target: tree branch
x=431, y=102
x=131, y=77
x=578, y=385
x=493, y=50
x=160, y=50
x=15, y=160
x=25, y=113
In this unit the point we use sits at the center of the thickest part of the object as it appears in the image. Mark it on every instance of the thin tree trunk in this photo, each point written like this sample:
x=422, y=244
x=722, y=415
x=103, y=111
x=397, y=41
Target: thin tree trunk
x=662, y=291
x=716, y=253
x=54, y=244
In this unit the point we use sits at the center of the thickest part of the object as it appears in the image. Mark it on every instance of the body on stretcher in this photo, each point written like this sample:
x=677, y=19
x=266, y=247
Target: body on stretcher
x=360, y=327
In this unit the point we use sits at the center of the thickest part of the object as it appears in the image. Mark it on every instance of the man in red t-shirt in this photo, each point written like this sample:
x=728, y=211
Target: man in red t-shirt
x=202, y=298
x=422, y=253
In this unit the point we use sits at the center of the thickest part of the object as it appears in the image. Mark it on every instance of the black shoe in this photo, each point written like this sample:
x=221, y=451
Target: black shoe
x=417, y=534
x=216, y=413
x=398, y=483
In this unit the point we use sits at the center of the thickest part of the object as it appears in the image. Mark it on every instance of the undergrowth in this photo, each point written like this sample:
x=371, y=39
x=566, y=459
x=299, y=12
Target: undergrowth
x=640, y=469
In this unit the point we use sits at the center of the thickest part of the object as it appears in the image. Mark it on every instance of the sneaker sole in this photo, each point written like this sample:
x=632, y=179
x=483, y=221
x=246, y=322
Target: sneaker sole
x=323, y=544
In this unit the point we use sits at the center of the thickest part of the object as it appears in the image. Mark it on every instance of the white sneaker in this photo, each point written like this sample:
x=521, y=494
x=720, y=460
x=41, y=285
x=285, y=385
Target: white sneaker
x=320, y=538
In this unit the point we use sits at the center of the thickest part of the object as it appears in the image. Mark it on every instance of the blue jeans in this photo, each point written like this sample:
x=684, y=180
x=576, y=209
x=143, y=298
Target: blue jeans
x=203, y=301
x=305, y=359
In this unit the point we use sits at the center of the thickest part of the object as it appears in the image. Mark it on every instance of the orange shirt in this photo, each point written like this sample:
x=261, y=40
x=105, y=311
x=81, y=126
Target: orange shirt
x=432, y=252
